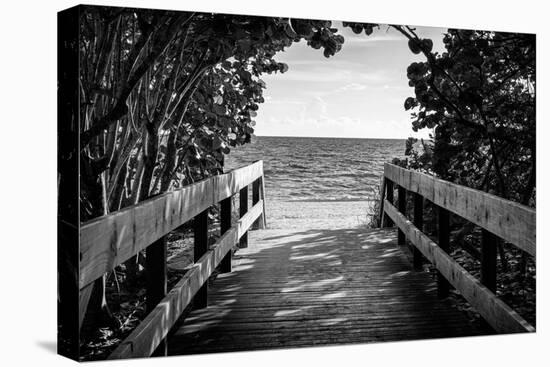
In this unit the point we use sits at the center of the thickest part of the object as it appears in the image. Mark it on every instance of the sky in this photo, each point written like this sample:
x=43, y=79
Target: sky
x=358, y=93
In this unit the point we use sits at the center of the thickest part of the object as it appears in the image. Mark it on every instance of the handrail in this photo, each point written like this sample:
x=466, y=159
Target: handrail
x=110, y=240
x=512, y=222
x=146, y=337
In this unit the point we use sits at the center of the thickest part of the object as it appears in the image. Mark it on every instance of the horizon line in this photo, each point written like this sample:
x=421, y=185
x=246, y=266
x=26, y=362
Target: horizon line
x=328, y=137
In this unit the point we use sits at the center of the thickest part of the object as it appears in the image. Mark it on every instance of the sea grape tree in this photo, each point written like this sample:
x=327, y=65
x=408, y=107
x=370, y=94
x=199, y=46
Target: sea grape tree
x=165, y=94
x=479, y=96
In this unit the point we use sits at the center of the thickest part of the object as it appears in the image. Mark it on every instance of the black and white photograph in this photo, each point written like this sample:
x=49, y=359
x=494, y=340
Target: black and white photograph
x=238, y=182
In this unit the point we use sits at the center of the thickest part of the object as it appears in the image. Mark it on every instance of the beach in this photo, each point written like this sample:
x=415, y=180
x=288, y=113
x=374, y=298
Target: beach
x=316, y=183
x=316, y=214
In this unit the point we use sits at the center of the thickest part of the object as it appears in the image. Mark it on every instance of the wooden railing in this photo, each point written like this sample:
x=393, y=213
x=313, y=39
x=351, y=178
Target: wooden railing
x=110, y=240
x=497, y=217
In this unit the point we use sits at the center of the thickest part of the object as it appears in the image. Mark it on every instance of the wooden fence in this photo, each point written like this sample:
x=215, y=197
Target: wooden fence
x=108, y=241
x=497, y=217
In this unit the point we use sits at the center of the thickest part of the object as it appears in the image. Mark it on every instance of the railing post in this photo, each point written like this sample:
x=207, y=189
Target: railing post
x=200, y=229
x=382, y=194
x=418, y=221
x=402, y=207
x=155, y=263
x=225, y=225
x=256, y=189
x=243, y=208
x=389, y=196
x=443, y=234
x=489, y=260
x=262, y=196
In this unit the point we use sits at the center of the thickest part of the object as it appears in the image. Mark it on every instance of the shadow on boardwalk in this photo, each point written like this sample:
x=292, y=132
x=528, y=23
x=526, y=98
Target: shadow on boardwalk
x=318, y=287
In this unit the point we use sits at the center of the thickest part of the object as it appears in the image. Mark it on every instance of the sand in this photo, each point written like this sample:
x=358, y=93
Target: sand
x=316, y=214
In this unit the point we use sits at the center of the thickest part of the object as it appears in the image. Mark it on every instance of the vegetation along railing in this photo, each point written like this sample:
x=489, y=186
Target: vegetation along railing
x=497, y=217
x=108, y=241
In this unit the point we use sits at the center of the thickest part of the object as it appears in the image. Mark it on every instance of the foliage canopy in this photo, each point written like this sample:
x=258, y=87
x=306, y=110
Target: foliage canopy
x=165, y=94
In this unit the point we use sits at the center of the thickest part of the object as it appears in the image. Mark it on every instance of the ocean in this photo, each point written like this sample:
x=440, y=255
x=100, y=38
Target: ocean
x=319, y=169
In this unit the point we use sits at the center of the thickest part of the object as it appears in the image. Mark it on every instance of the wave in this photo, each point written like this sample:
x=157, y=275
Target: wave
x=314, y=170
x=330, y=200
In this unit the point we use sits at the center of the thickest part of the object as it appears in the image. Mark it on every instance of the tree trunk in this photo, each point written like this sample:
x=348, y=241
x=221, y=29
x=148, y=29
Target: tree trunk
x=149, y=162
x=170, y=163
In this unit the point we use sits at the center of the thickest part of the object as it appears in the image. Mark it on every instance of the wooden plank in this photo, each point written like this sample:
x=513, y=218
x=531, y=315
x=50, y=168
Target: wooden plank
x=225, y=225
x=145, y=338
x=402, y=205
x=108, y=241
x=255, y=198
x=419, y=223
x=302, y=305
x=200, y=229
x=243, y=208
x=382, y=197
x=513, y=222
x=389, y=196
x=499, y=315
x=262, y=196
x=232, y=182
x=244, y=224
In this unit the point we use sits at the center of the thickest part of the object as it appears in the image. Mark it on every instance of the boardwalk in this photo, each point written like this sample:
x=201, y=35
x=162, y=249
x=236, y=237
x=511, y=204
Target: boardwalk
x=305, y=285
x=293, y=288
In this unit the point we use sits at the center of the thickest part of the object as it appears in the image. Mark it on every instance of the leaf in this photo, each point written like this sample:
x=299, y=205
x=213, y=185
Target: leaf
x=217, y=143
x=427, y=44
x=219, y=110
x=283, y=67
x=410, y=102
x=414, y=46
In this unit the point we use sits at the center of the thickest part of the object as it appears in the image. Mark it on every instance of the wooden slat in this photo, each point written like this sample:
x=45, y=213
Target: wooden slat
x=283, y=294
x=381, y=195
x=143, y=341
x=225, y=225
x=418, y=220
x=251, y=215
x=200, y=247
x=108, y=241
x=513, y=222
x=402, y=206
x=262, y=196
x=243, y=208
x=386, y=221
x=255, y=198
x=230, y=183
x=499, y=315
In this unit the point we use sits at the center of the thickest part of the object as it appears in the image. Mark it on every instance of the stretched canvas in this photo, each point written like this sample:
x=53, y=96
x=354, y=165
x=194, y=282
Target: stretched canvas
x=232, y=182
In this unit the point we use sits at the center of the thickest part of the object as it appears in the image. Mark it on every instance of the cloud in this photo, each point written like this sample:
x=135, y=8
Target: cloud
x=284, y=102
x=315, y=109
x=363, y=40
x=357, y=93
x=351, y=87
x=318, y=74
